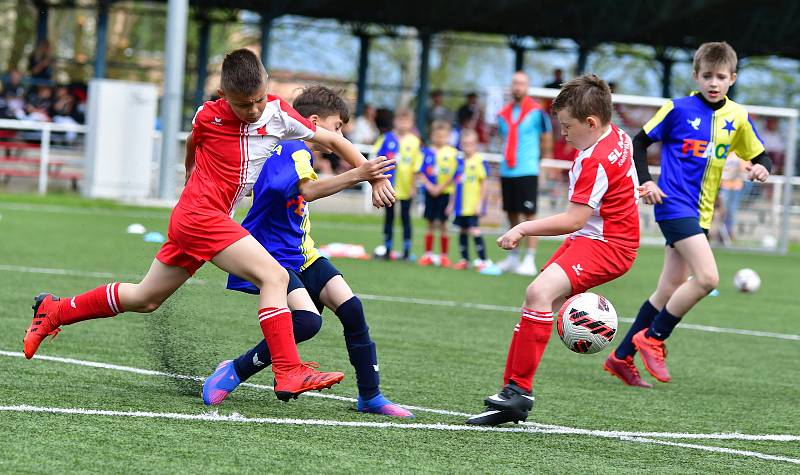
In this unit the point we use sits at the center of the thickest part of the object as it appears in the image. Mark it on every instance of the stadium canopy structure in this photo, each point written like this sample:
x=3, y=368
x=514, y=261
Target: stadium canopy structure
x=754, y=28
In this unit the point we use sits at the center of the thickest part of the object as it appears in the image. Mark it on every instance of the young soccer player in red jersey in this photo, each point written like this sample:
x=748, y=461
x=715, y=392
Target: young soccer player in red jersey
x=603, y=221
x=230, y=141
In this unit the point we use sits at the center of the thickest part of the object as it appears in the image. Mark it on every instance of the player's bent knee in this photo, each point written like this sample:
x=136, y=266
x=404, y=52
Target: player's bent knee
x=275, y=276
x=707, y=282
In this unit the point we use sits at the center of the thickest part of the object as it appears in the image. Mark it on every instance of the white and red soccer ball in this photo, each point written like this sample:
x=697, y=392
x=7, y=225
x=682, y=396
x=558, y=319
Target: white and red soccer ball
x=747, y=281
x=587, y=323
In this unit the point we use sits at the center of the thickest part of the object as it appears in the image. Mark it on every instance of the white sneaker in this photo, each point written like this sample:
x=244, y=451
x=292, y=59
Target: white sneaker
x=480, y=264
x=509, y=264
x=527, y=267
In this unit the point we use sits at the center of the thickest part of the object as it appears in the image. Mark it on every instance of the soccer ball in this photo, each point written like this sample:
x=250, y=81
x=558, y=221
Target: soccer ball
x=747, y=280
x=587, y=323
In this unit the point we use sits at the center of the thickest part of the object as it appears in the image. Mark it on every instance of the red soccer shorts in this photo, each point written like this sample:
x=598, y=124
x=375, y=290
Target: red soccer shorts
x=590, y=262
x=194, y=239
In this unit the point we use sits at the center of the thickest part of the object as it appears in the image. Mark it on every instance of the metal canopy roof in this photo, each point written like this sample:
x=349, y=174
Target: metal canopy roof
x=767, y=27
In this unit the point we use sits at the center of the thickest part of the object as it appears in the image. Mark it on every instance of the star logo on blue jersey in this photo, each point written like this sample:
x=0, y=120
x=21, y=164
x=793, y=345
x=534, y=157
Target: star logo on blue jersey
x=729, y=126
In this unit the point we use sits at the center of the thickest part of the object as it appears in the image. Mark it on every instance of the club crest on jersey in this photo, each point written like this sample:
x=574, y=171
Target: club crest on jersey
x=216, y=121
x=299, y=205
x=262, y=130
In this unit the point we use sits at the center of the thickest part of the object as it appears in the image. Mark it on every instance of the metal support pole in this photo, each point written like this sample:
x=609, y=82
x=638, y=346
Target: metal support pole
x=788, y=174
x=519, y=58
x=363, y=65
x=44, y=158
x=177, y=18
x=101, y=40
x=422, y=90
x=266, y=31
x=202, y=61
x=41, y=24
x=666, y=72
x=583, y=58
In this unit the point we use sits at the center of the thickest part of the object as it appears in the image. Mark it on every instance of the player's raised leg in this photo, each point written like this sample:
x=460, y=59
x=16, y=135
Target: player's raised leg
x=248, y=259
x=528, y=343
x=306, y=322
x=51, y=312
x=337, y=296
x=696, y=252
x=620, y=363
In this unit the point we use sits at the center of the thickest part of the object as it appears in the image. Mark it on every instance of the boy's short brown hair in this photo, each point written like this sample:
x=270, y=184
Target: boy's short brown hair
x=242, y=72
x=584, y=96
x=404, y=113
x=438, y=125
x=322, y=101
x=715, y=54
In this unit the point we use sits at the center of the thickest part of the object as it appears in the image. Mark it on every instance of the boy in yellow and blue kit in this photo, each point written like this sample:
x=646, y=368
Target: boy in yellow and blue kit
x=468, y=201
x=401, y=144
x=697, y=134
x=437, y=174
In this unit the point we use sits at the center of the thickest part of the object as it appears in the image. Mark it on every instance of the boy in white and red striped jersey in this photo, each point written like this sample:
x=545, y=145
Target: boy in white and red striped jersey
x=602, y=220
x=230, y=141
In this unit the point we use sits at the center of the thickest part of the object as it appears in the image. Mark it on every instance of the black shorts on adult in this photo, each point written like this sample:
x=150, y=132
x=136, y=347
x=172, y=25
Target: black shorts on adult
x=675, y=230
x=520, y=193
x=313, y=279
x=465, y=222
x=436, y=207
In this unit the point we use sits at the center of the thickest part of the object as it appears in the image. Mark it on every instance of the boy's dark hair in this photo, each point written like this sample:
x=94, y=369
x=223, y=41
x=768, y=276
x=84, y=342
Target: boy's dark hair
x=714, y=55
x=584, y=96
x=242, y=72
x=322, y=101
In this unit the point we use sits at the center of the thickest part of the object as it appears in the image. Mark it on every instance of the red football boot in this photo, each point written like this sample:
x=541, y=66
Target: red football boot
x=45, y=322
x=425, y=260
x=444, y=261
x=625, y=370
x=304, y=377
x=653, y=353
x=461, y=265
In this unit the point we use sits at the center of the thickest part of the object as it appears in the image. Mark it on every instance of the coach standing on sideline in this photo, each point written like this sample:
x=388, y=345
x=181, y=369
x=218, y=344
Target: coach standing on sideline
x=527, y=134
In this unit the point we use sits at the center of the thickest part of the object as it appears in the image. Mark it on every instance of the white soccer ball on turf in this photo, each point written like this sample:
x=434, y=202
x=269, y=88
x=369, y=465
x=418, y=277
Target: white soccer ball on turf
x=379, y=252
x=747, y=280
x=587, y=323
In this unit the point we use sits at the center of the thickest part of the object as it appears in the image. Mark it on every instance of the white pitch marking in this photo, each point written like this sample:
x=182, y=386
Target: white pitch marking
x=555, y=429
x=508, y=308
x=724, y=450
x=399, y=299
x=238, y=418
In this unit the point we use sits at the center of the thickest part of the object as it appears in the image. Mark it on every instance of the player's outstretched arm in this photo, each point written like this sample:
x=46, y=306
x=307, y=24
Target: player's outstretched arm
x=382, y=192
x=189, y=162
x=368, y=171
x=568, y=222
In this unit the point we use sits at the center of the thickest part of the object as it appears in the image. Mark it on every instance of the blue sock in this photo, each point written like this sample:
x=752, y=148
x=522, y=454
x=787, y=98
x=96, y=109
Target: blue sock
x=662, y=326
x=463, y=246
x=643, y=320
x=406, y=248
x=305, y=325
x=360, y=347
x=480, y=247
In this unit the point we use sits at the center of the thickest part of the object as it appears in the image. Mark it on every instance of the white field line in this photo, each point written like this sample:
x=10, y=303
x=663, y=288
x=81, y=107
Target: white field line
x=81, y=273
x=554, y=429
x=389, y=298
x=507, y=308
x=238, y=418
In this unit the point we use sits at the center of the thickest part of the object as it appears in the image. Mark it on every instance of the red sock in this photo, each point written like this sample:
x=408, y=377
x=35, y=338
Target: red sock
x=534, y=333
x=428, y=242
x=511, y=349
x=444, y=242
x=98, y=303
x=276, y=325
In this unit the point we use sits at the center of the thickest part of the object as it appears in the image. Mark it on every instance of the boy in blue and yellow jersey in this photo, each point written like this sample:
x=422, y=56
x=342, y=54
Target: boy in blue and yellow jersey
x=402, y=145
x=468, y=200
x=697, y=134
x=437, y=173
x=279, y=220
